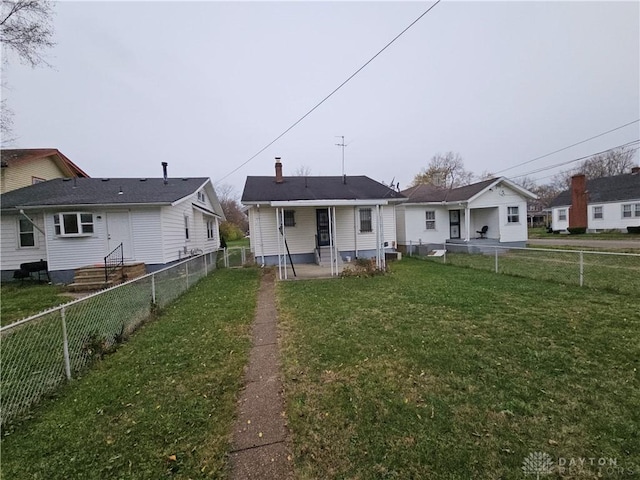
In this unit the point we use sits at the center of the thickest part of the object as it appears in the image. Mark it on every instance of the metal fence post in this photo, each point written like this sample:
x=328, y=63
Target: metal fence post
x=243, y=256
x=153, y=288
x=581, y=268
x=444, y=257
x=410, y=248
x=226, y=258
x=186, y=269
x=65, y=344
x=496, y=259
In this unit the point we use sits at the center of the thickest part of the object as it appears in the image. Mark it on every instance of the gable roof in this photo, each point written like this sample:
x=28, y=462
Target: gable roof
x=97, y=191
x=432, y=194
x=606, y=189
x=265, y=189
x=10, y=157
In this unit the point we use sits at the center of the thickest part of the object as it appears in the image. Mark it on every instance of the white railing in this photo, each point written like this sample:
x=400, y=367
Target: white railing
x=43, y=351
x=618, y=272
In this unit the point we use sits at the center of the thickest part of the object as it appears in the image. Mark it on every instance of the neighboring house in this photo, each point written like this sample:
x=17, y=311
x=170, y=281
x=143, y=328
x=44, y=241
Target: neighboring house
x=606, y=203
x=319, y=218
x=435, y=215
x=72, y=223
x=24, y=167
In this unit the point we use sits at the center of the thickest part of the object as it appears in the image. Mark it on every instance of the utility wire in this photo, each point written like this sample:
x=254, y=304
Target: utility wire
x=330, y=95
x=566, y=148
x=542, y=169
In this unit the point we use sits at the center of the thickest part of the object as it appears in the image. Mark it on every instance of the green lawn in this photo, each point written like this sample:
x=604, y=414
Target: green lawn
x=22, y=299
x=161, y=406
x=541, y=232
x=440, y=372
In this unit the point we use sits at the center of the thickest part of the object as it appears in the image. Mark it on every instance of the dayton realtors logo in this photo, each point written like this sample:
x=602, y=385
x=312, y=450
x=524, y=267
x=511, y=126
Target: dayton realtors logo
x=537, y=463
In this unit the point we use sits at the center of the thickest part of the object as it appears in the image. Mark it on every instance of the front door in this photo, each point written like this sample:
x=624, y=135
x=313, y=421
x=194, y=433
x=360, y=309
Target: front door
x=454, y=223
x=322, y=222
x=119, y=231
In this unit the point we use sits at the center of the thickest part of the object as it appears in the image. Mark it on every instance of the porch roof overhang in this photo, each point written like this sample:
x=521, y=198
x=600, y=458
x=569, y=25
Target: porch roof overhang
x=330, y=203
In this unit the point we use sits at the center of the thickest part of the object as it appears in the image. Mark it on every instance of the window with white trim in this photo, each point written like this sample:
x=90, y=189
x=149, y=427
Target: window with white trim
x=630, y=210
x=513, y=214
x=186, y=227
x=201, y=197
x=597, y=213
x=562, y=215
x=430, y=219
x=26, y=234
x=289, y=218
x=211, y=230
x=365, y=220
x=73, y=224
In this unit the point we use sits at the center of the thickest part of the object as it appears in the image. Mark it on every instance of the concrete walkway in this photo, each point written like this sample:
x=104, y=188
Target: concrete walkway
x=260, y=447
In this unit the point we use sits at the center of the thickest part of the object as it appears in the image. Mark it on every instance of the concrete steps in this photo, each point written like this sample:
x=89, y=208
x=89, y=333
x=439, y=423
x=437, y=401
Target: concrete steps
x=92, y=278
x=325, y=258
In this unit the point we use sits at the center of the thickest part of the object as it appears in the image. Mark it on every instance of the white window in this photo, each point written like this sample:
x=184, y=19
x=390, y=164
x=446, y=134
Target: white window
x=365, y=220
x=631, y=210
x=289, y=218
x=431, y=219
x=597, y=213
x=201, y=197
x=26, y=234
x=211, y=230
x=562, y=215
x=186, y=227
x=73, y=224
x=513, y=215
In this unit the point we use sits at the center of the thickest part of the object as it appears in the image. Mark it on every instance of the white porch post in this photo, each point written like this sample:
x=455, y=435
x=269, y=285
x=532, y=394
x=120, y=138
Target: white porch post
x=335, y=240
x=330, y=239
x=383, y=257
x=377, y=217
x=279, y=246
x=284, y=244
x=467, y=222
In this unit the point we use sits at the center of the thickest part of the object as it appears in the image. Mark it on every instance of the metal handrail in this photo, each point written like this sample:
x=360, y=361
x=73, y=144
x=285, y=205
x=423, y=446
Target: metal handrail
x=112, y=261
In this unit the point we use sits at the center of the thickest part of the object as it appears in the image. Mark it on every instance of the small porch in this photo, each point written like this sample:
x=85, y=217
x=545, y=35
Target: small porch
x=467, y=224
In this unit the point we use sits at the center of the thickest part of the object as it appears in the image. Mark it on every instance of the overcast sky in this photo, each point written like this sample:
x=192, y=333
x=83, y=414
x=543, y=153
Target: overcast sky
x=205, y=85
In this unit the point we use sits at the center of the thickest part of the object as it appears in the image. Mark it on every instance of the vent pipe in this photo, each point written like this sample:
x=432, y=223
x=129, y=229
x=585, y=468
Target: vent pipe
x=164, y=172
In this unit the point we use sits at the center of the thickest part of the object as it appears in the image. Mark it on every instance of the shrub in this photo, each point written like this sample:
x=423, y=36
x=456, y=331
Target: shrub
x=362, y=267
x=635, y=230
x=577, y=230
x=230, y=231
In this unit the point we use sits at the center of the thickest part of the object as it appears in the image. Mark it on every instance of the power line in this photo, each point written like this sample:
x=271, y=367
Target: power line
x=567, y=162
x=566, y=148
x=331, y=94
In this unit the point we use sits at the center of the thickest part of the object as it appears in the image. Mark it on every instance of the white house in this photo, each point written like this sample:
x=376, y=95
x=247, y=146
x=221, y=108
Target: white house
x=492, y=211
x=76, y=222
x=314, y=219
x=607, y=203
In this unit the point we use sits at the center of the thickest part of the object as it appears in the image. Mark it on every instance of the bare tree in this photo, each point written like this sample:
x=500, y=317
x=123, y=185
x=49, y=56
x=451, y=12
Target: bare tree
x=237, y=223
x=302, y=171
x=444, y=170
x=614, y=162
x=25, y=30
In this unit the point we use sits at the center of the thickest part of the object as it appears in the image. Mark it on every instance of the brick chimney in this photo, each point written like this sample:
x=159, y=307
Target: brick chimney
x=635, y=170
x=578, y=210
x=279, y=178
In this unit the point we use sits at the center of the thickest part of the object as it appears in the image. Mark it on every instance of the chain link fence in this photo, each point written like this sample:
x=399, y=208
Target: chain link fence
x=43, y=351
x=617, y=272
x=233, y=257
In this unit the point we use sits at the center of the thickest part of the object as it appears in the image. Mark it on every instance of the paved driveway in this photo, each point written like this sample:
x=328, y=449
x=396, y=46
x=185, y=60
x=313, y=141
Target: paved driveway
x=586, y=242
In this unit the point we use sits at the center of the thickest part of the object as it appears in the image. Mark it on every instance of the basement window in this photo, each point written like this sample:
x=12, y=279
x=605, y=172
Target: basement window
x=74, y=224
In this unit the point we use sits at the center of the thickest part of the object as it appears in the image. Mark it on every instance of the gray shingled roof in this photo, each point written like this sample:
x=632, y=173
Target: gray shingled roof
x=265, y=189
x=97, y=191
x=431, y=193
x=606, y=189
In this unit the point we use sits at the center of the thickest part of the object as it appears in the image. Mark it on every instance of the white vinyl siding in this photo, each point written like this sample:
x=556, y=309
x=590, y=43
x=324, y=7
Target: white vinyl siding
x=12, y=255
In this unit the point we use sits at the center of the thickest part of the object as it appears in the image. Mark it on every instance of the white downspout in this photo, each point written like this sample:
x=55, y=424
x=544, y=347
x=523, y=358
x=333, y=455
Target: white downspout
x=261, y=239
x=467, y=222
x=279, y=246
x=355, y=231
x=335, y=243
x=330, y=240
x=284, y=244
x=383, y=256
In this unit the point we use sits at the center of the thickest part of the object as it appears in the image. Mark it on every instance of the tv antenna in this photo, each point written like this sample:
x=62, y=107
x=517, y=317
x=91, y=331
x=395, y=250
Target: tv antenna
x=342, y=144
